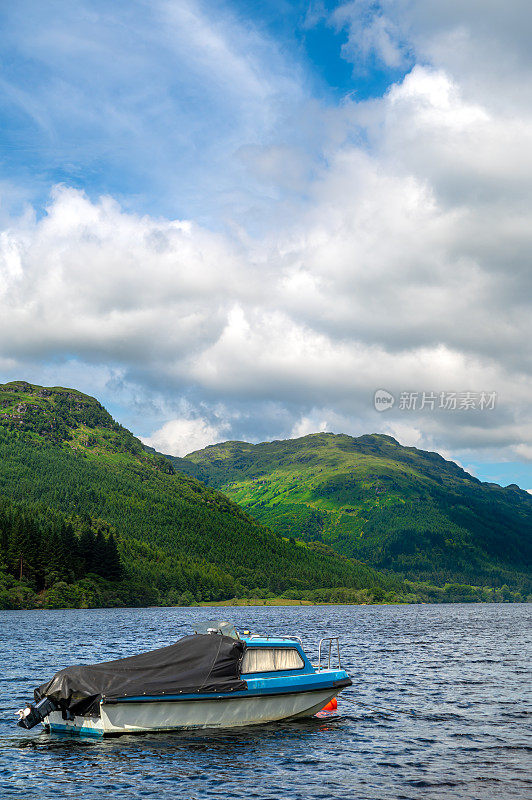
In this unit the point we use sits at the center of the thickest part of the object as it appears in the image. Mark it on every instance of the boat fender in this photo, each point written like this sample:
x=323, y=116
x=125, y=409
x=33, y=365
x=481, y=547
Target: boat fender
x=331, y=706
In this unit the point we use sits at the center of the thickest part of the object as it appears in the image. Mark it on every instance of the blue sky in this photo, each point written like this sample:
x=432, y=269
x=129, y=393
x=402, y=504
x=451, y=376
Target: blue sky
x=238, y=220
x=106, y=100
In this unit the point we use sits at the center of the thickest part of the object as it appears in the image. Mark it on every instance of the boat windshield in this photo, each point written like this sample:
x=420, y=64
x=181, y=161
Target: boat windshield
x=217, y=626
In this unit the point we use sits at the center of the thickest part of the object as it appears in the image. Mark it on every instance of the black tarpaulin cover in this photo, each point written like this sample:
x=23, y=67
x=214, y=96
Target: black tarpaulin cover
x=194, y=664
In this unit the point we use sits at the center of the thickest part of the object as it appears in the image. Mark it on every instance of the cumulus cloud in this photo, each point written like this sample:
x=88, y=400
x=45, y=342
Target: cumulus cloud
x=178, y=437
x=404, y=266
x=482, y=44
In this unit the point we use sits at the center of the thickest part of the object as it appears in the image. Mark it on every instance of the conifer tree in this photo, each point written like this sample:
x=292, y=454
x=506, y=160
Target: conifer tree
x=113, y=568
x=99, y=553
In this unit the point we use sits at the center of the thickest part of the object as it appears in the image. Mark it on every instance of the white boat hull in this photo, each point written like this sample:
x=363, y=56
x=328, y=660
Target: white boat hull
x=221, y=712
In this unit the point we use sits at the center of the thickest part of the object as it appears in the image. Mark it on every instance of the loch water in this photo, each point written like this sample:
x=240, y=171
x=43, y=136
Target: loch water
x=440, y=707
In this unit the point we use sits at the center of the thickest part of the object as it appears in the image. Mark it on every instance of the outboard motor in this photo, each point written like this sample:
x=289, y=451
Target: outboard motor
x=35, y=713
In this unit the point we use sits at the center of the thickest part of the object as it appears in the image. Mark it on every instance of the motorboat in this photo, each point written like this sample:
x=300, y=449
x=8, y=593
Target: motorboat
x=214, y=678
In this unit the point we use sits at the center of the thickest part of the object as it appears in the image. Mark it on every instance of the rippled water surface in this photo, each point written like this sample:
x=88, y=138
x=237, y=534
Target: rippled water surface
x=440, y=708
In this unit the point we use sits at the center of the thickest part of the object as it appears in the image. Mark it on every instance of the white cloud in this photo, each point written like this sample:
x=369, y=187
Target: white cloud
x=524, y=451
x=370, y=33
x=405, y=266
x=408, y=433
x=483, y=44
x=152, y=100
x=178, y=437
x=308, y=424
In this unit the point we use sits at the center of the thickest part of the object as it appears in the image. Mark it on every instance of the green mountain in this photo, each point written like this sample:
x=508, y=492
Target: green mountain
x=398, y=509
x=65, y=464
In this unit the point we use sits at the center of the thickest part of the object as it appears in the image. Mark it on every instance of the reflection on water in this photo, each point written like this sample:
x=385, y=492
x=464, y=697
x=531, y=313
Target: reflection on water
x=440, y=708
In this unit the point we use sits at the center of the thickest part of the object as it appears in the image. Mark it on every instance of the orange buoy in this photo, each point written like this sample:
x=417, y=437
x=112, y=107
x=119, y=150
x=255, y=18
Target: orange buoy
x=332, y=706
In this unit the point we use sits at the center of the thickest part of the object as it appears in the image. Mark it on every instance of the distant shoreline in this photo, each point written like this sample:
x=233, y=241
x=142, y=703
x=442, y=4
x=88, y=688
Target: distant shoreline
x=268, y=601
x=272, y=602
x=286, y=601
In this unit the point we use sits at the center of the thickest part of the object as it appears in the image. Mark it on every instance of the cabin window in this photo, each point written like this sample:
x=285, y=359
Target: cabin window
x=271, y=659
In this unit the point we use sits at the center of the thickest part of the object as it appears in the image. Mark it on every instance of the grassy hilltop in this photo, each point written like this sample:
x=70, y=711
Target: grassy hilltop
x=397, y=508
x=68, y=471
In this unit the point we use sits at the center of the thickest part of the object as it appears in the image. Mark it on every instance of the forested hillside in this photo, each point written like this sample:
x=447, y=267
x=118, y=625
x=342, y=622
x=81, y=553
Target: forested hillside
x=44, y=552
x=397, y=508
x=64, y=459
x=89, y=516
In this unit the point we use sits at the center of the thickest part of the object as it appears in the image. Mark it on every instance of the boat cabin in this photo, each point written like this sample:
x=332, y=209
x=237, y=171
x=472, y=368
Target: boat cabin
x=270, y=658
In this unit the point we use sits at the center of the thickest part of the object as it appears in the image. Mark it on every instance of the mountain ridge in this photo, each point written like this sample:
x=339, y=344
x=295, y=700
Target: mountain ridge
x=71, y=474
x=396, y=508
x=61, y=449
x=367, y=437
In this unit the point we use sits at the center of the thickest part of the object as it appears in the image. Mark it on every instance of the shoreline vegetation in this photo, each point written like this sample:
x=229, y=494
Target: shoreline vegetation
x=96, y=592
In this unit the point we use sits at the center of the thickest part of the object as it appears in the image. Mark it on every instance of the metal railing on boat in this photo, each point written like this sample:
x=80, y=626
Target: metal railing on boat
x=328, y=656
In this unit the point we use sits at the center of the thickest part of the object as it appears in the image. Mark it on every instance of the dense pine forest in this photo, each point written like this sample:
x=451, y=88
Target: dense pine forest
x=89, y=517
x=44, y=552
